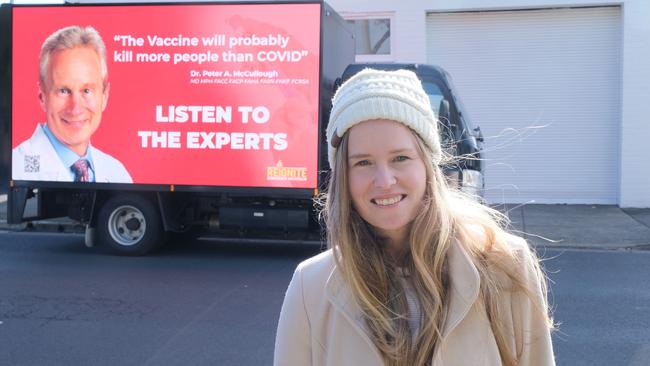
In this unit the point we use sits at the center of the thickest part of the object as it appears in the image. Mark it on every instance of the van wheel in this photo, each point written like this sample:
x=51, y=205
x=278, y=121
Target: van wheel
x=130, y=225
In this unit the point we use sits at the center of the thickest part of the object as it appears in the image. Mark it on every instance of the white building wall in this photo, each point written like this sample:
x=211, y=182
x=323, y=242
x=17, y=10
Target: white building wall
x=634, y=173
x=635, y=131
x=408, y=28
x=410, y=25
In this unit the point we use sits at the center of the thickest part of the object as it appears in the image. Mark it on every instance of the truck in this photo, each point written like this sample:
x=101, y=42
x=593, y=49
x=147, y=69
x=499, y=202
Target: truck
x=216, y=120
x=216, y=112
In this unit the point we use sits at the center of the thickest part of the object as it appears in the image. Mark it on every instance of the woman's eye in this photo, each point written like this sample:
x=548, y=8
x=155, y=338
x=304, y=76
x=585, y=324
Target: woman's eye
x=362, y=163
x=402, y=158
x=87, y=91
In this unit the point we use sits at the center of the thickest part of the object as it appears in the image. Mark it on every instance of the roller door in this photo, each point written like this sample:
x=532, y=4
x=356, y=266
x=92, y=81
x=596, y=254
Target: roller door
x=544, y=86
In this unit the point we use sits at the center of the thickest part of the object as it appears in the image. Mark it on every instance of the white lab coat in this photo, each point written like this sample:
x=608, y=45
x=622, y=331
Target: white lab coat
x=49, y=167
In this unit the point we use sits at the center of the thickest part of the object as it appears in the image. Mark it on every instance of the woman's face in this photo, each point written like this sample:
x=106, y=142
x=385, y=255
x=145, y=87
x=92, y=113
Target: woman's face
x=387, y=176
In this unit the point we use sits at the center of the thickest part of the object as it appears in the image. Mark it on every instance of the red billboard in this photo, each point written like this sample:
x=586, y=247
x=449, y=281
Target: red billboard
x=211, y=95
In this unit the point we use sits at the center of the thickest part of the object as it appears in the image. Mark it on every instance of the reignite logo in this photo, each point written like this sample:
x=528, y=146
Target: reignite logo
x=281, y=172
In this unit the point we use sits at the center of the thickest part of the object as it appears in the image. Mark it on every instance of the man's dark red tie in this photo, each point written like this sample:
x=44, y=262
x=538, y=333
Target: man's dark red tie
x=80, y=170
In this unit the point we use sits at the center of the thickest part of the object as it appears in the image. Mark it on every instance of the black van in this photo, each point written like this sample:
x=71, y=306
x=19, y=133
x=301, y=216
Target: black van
x=459, y=137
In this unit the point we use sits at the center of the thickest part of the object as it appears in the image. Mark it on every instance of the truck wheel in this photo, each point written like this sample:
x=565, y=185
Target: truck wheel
x=130, y=225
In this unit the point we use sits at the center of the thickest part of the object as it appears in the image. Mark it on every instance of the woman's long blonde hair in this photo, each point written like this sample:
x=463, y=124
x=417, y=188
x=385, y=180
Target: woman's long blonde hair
x=446, y=215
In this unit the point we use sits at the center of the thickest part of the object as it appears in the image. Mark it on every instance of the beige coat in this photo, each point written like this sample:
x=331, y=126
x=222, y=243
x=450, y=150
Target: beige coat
x=320, y=323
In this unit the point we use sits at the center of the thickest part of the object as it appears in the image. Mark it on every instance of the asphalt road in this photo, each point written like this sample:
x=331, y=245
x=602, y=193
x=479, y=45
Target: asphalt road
x=210, y=303
x=602, y=305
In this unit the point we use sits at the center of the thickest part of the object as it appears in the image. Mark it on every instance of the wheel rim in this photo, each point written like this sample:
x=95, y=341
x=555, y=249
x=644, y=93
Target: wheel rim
x=127, y=225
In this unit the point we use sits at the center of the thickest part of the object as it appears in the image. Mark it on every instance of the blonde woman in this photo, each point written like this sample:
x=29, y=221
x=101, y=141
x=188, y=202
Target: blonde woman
x=416, y=273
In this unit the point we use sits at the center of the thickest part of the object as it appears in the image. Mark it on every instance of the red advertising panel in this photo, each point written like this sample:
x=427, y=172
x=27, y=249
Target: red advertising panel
x=215, y=94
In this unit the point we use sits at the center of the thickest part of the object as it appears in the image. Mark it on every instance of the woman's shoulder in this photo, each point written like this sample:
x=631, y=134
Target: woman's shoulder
x=507, y=252
x=519, y=247
x=515, y=246
x=518, y=259
x=318, y=268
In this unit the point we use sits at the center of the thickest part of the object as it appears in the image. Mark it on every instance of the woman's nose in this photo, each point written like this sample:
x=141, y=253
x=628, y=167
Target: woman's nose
x=384, y=176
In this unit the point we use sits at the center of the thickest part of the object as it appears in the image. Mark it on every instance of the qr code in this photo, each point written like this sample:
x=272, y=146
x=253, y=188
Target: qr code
x=32, y=163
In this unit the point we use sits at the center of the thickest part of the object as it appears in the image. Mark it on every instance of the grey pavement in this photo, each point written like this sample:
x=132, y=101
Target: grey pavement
x=581, y=226
x=551, y=226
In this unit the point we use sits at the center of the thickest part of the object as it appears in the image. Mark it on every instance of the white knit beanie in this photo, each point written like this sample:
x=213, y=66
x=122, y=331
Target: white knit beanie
x=375, y=94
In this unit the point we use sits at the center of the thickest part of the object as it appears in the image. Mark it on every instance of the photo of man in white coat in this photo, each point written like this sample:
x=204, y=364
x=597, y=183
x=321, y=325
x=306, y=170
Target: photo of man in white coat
x=73, y=92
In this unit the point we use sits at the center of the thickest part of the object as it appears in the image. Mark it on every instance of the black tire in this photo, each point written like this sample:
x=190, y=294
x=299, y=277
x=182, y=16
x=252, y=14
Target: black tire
x=130, y=224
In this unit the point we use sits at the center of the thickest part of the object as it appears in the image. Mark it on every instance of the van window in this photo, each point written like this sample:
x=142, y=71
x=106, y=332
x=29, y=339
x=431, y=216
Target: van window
x=462, y=111
x=435, y=96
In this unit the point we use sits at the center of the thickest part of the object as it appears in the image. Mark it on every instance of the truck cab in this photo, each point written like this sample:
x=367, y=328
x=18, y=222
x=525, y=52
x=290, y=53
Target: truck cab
x=462, y=142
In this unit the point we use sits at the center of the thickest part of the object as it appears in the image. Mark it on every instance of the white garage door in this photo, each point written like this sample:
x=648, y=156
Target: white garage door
x=544, y=86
